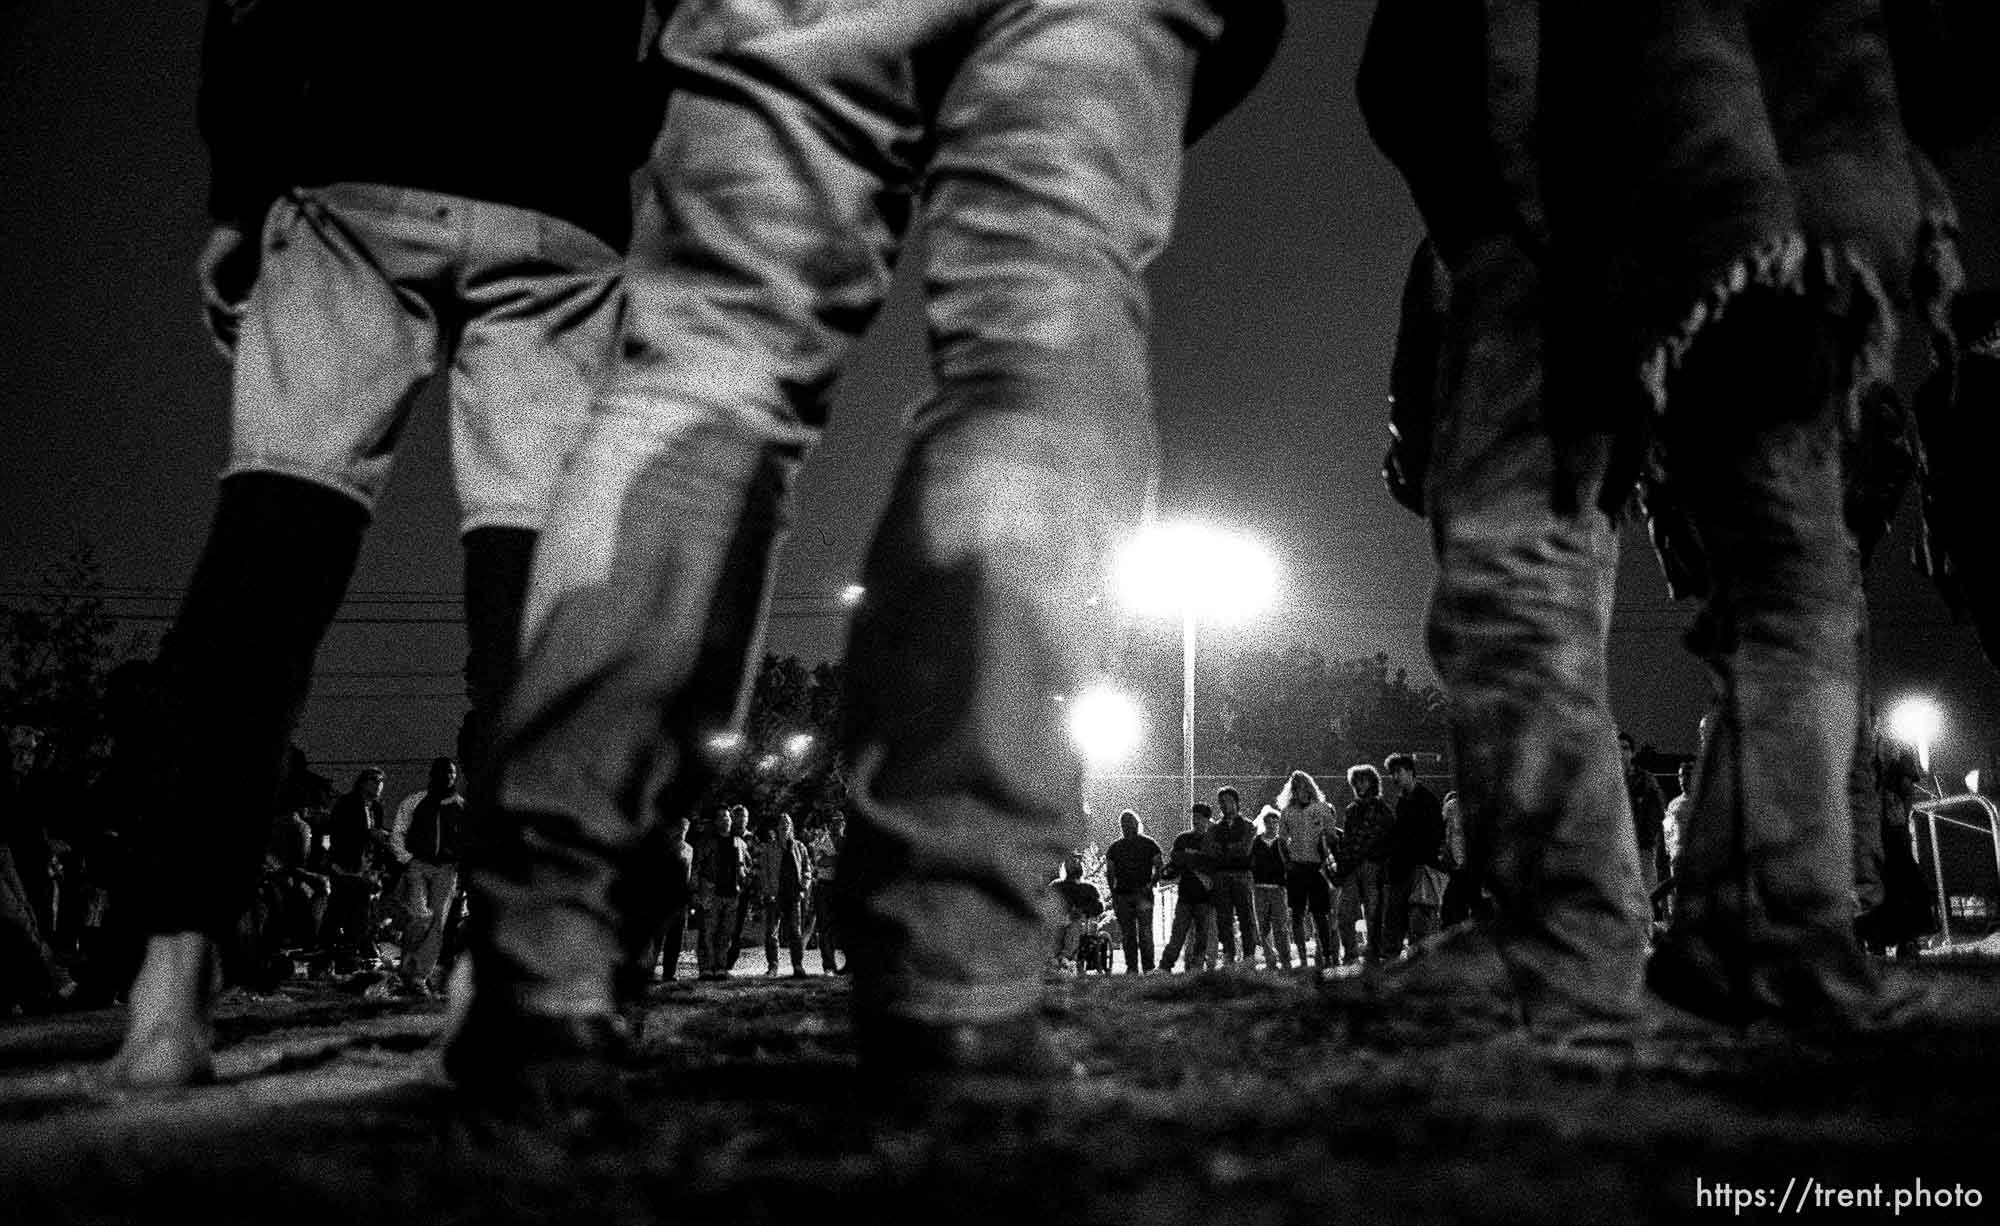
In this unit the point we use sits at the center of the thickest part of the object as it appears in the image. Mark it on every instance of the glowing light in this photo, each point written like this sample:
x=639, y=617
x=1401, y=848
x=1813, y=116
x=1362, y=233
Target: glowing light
x=725, y=742
x=798, y=743
x=1104, y=725
x=851, y=594
x=1182, y=567
x=1918, y=721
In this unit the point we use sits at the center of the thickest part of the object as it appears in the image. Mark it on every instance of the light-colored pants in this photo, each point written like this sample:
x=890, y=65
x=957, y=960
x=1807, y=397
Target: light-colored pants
x=428, y=892
x=1274, y=923
x=1038, y=142
x=385, y=278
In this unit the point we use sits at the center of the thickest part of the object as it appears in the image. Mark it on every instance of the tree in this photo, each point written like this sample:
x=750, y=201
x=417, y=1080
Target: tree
x=56, y=651
x=1290, y=708
x=788, y=760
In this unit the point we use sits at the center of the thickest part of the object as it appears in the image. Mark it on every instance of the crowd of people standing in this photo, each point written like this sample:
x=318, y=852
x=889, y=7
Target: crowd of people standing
x=1339, y=887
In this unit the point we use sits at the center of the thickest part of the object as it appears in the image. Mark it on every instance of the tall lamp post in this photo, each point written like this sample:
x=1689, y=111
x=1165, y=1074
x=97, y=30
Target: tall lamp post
x=1194, y=571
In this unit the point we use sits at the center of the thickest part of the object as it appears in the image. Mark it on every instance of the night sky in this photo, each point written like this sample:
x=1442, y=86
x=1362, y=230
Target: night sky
x=1275, y=315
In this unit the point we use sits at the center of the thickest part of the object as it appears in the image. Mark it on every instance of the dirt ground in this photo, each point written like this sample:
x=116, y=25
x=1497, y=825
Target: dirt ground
x=1234, y=1097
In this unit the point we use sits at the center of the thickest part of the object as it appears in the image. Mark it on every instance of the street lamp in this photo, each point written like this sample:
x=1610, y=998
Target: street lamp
x=1103, y=724
x=1917, y=721
x=797, y=744
x=1195, y=571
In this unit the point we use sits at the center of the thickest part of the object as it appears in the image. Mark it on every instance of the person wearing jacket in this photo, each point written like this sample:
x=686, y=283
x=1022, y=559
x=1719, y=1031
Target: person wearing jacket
x=1362, y=854
x=1230, y=839
x=784, y=876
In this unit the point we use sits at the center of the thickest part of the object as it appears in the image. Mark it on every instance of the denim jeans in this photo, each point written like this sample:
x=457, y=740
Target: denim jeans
x=785, y=920
x=1193, y=928
x=431, y=889
x=1135, y=928
x=1038, y=142
x=1518, y=629
x=1236, y=914
x=1274, y=925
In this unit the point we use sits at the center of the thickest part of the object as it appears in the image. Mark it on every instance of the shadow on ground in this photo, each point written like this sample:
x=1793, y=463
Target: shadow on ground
x=1237, y=1097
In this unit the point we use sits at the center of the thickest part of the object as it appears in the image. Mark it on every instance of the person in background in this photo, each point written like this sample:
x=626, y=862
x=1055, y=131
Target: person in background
x=826, y=847
x=1307, y=826
x=1230, y=839
x=1267, y=878
x=1193, y=926
x=1132, y=865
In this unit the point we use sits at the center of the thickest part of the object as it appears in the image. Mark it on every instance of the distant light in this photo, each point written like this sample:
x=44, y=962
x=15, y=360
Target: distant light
x=1168, y=568
x=1972, y=781
x=769, y=762
x=1104, y=725
x=726, y=742
x=851, y=594
x=1917, y=721
x=798, y=743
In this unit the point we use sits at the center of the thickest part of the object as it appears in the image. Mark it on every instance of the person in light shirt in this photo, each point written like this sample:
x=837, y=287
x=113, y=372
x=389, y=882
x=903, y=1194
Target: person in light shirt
x=1307, y=826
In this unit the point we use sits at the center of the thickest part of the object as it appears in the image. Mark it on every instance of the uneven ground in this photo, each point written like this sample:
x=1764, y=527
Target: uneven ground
x=1223, y=1097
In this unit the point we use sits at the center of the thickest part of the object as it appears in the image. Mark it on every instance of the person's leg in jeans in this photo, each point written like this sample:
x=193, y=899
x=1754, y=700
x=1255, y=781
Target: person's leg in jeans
x=1273, y=923
x=1763, y=922
x=823, y=919
x=1053, y=185
x=1396, y=887
x=758, y=256
x=427, y=929
x=1135, y=928
x=673, y=937
x=1298, y=898
x=774, y=917
x=1243, y=901
x=1518, y=628
x=1201, y=938
x=717, y=920
x=795, y=931
x=763, y=251
x=1177, y=931
x=1340, y=926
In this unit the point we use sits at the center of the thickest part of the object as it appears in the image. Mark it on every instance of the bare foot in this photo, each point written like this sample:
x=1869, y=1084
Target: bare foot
x=170, y=1029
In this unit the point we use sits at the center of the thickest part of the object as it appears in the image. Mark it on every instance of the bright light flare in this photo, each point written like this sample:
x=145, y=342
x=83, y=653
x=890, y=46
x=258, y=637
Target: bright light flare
x=725, y=742
x=1917, y=721
x=1104, y=725
x=798, y=743
x=1171, y=568
x=851, y=594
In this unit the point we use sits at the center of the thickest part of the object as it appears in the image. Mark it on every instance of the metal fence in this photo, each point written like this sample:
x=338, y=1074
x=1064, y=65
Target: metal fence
x=1958, y=844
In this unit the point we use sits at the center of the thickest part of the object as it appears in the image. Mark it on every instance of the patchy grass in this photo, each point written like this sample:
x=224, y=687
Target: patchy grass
x=1230, y=1096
